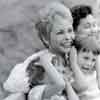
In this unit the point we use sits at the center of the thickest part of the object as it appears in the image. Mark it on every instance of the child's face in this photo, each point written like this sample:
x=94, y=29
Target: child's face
x=86, y=60
x=87, y=26
x=62, y=35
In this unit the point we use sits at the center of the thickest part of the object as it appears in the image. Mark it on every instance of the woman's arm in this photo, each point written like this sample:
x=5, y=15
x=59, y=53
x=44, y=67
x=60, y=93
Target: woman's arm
x=57, y=80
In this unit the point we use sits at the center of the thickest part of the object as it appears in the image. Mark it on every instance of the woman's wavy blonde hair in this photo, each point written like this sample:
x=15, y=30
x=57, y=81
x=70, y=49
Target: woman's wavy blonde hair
x=46, y=18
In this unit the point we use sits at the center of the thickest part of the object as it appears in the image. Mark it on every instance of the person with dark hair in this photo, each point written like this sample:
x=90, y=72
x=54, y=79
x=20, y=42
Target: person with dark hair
x=84, y=22
x=83, y=59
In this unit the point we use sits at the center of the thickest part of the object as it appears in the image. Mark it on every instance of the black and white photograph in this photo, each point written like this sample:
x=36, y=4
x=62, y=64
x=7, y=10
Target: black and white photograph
x=50, y=49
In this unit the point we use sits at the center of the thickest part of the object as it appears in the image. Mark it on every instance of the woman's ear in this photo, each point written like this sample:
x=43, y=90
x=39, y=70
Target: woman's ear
x=45, y=40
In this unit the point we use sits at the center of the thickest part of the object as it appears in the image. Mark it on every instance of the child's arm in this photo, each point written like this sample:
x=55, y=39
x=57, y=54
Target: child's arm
x=98, y=70
x=58, y=83
x=80, y=81
x=70, y=92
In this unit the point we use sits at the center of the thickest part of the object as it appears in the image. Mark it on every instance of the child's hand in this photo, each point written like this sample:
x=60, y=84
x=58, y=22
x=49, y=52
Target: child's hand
x=73, y=56
x=98, y=70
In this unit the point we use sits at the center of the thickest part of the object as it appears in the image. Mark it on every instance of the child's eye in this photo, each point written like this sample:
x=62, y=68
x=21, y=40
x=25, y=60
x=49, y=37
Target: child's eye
x=94, y=24
x=93, y=60
x=70, y=30
x=84, y=50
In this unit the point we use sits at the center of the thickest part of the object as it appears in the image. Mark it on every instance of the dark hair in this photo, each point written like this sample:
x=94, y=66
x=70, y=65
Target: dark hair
x=35, y=72
x=79, y=12
x=88, y=43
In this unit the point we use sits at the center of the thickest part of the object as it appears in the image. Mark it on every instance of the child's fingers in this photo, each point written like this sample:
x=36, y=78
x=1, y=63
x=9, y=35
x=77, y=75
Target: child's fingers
x=73, y=51
x=73, y=55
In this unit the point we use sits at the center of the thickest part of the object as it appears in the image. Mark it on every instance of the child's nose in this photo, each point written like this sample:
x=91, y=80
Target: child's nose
x=89, y=63
x=94, y=30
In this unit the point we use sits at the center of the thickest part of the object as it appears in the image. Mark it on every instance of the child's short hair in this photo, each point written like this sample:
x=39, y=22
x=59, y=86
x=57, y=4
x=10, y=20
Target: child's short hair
x=35, y=72
x=88, y=43
x=79, y=12
x=47, y=17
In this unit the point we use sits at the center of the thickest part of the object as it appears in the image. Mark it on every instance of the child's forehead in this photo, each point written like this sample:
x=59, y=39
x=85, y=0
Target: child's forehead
x=89, y=43
x=88, y=52
x=83, y=49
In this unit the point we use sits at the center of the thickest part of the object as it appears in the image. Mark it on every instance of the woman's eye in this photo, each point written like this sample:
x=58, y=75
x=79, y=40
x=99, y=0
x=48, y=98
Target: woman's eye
x=87, y=26
x=86, y=58
x=60, y=32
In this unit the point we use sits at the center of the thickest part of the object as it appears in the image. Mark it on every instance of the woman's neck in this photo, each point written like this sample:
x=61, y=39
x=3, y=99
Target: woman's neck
x=56, y=52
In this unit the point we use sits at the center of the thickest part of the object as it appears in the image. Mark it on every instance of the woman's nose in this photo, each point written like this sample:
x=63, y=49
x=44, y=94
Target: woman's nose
x=70, y=36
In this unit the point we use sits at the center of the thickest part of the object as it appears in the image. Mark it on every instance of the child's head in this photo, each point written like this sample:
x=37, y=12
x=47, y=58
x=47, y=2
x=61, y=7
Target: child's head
x=87, y=51
x=35, y=72
x=55, y=27
x=84, y=23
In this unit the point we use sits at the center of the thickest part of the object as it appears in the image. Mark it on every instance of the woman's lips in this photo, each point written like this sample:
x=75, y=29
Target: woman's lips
x=66, y=44
x=85, y=68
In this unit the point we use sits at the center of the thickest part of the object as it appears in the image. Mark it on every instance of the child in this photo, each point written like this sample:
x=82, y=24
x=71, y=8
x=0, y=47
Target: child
x=40, y=70
x=83, y=62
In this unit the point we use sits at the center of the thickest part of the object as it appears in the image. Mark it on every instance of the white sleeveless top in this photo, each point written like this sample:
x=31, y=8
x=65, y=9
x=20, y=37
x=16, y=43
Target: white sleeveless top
x=93, y=92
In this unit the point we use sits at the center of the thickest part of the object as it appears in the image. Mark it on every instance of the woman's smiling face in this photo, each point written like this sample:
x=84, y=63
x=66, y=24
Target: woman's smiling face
x=87, y=26
x=62, y=35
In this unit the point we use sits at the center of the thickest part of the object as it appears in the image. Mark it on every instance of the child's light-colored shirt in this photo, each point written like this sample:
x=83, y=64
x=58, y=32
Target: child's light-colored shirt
x=93, y=92
x=37, y=92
